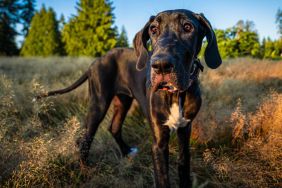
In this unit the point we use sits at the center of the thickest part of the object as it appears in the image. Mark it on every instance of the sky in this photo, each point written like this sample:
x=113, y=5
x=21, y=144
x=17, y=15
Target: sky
x=222, y=14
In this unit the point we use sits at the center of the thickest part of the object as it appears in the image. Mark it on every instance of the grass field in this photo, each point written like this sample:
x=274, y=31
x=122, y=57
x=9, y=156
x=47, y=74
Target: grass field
x=236, y=139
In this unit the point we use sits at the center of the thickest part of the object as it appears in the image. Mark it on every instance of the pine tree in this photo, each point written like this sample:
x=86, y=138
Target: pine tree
x=62, y=22
x=91, y=32
x=122, y=40
x=8, y=20
x=279, y=21
x=43, y=38
x=27, y=10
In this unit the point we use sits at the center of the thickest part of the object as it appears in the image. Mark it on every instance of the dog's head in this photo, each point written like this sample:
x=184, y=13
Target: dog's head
x=176, y=39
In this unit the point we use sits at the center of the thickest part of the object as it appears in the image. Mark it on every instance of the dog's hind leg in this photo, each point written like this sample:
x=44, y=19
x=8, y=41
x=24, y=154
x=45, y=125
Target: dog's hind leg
x=96, y=114
x=121, y=104
x=101, y=91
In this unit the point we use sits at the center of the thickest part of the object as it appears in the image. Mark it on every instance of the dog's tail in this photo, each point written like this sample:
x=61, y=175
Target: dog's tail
x=77, y=83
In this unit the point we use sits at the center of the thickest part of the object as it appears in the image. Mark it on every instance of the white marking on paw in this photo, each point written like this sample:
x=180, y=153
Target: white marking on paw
x=176, y=119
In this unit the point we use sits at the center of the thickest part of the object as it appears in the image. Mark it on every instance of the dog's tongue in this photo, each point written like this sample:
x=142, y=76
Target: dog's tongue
x=167, y=87
x=163, y=83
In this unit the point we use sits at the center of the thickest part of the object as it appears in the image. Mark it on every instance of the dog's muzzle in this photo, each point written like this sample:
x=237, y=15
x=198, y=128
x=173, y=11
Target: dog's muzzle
x=166, y=77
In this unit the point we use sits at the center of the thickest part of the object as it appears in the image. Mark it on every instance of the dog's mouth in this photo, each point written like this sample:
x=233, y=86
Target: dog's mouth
x=168, y=82
x=166, y=86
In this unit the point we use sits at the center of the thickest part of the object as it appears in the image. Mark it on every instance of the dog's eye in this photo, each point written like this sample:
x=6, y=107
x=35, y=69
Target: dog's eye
x=187, y=27
x=154, y=29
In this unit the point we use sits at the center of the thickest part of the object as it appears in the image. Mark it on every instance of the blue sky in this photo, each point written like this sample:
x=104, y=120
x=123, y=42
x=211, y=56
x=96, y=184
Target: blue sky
x=221, y=13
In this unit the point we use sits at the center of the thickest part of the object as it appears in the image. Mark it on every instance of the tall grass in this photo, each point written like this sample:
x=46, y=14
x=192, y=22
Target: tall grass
x=236, y=138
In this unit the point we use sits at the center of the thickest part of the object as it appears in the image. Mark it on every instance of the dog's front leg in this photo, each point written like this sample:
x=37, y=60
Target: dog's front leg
x=160, y=155
x=161, y=134
x=183, y=134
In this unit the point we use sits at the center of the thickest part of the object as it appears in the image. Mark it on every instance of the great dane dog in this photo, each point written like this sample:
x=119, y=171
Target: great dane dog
x=162, y=78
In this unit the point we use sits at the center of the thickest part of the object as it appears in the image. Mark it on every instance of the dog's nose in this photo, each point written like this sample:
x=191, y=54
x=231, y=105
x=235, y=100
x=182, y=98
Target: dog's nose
x=162, y=66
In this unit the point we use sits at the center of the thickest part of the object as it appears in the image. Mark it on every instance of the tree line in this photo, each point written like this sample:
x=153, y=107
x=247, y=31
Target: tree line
x=243, y=40
x=91, y=32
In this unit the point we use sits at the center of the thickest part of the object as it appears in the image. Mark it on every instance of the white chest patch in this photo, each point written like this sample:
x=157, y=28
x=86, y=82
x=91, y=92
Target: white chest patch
x=176, y=119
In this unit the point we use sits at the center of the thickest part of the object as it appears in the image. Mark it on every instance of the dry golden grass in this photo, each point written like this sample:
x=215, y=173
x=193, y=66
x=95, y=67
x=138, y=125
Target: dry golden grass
x=236, y=139
x=254, y=158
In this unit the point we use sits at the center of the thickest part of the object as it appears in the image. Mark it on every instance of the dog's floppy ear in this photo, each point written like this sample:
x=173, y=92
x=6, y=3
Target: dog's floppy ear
x=140, y=45
x=212, y=56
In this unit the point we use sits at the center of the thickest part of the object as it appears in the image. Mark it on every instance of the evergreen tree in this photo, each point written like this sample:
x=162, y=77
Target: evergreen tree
x=8, y=20
x=43, y=38
x=91, y=32
x=122, y=40
x=27, y=10
x=279, y=21
x=62, y=22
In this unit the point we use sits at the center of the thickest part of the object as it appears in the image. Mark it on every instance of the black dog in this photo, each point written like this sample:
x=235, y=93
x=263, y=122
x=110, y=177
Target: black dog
x=165, y=85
